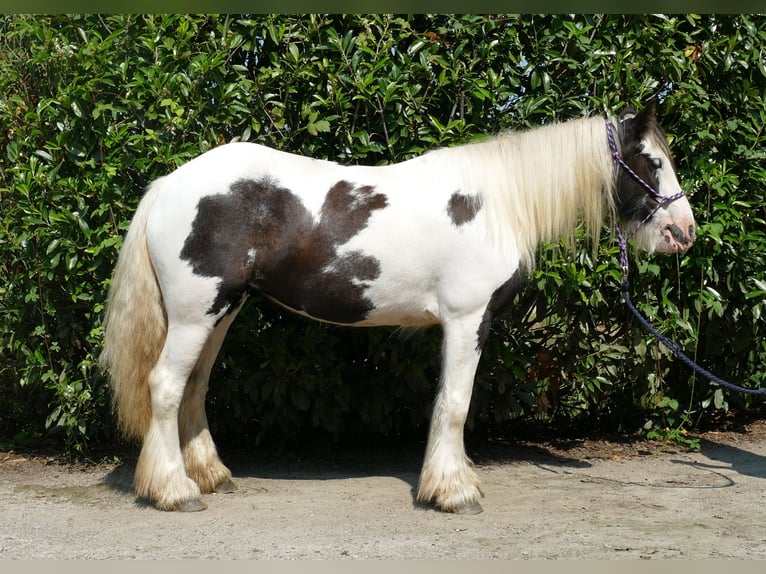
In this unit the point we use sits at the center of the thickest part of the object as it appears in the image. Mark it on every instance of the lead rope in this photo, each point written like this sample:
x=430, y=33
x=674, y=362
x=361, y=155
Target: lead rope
x=625, y=284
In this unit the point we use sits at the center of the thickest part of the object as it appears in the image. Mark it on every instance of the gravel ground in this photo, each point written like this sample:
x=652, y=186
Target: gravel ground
x=580, y=499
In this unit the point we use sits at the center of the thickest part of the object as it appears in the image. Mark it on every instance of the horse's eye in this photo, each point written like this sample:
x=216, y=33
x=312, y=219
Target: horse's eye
x=656, y=163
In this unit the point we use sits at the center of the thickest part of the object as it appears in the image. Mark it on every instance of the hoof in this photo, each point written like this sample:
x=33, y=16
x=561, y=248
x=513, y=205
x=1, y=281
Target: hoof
x=193, y=505
x=226, y=487
x=472, y=507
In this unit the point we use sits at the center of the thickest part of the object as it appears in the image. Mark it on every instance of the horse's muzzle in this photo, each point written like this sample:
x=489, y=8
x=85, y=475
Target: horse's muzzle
x=675, y=239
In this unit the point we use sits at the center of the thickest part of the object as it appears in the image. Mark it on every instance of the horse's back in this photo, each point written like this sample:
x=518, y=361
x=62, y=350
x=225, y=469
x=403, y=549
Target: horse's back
x=344, y=244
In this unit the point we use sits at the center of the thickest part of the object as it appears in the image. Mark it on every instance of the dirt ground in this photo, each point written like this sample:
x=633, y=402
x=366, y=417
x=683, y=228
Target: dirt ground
x=593, y=499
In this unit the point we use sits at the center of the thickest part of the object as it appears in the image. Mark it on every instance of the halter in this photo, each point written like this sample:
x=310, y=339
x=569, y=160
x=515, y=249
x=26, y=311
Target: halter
x=625, y=284
x=661, y=200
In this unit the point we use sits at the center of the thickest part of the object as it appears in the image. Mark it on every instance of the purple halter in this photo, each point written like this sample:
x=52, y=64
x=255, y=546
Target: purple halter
x=660, y=199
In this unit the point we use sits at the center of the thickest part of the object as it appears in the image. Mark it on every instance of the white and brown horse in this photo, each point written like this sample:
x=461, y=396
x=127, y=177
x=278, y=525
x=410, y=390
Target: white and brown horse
x=444, y=238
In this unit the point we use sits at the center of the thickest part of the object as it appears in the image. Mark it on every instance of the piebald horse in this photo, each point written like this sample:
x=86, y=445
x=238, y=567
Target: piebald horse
x=445, y=238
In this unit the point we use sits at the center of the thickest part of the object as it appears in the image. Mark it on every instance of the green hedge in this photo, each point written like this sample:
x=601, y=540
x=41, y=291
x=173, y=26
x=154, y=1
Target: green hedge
x=93, y=107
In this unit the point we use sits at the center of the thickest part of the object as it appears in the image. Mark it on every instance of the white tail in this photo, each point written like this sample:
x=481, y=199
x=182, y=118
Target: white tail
x=135, y=325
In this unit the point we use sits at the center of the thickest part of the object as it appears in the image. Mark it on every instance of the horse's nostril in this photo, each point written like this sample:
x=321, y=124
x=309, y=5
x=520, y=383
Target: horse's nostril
x=677, y=234
x=680, y=236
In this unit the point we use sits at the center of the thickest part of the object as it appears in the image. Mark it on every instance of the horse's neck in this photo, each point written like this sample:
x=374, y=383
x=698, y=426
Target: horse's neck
x=538, y=185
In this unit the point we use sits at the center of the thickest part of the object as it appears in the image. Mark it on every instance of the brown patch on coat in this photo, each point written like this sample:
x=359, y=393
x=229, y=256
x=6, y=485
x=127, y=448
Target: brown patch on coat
x=260, y=235
x=462, y=209
x=499, y=300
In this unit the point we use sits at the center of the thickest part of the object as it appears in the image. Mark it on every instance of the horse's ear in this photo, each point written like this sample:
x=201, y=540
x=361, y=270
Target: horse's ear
x=633, y=125
x=649, y=113
x=627, y=114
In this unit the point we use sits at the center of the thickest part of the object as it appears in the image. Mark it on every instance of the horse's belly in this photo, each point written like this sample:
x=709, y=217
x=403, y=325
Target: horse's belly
x=356, y=289
x=339, y=312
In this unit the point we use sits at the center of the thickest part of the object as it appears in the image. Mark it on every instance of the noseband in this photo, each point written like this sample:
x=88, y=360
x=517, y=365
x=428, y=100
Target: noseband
x=661, y=200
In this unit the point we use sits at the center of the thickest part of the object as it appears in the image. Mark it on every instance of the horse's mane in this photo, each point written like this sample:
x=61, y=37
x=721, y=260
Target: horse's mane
x=538, y=184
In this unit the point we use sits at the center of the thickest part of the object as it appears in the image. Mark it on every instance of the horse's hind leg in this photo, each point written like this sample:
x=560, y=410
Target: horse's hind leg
x=447, y=479
x=200, y=455
x=160, y=474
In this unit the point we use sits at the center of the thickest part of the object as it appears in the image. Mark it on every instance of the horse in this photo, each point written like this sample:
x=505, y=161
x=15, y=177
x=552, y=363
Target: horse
x=445, y=238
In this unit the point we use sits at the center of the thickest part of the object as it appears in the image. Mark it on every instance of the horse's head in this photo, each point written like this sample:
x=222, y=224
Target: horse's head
x=650, y=197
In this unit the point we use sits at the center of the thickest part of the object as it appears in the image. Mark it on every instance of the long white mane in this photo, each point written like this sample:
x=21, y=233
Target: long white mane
x=538, y=185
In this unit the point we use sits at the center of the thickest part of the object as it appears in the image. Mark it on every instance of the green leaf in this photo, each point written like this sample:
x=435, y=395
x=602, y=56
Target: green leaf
x=294, y=53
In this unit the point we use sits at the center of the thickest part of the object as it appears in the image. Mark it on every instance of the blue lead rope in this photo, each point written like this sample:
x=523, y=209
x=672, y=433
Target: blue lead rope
x=676, y=349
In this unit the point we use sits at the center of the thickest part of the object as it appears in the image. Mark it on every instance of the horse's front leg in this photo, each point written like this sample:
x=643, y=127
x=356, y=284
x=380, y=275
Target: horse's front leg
x=447, y=479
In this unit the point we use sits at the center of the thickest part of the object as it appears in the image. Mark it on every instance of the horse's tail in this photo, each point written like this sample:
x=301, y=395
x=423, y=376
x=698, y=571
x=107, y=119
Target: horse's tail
x=135, y=325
